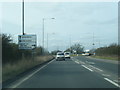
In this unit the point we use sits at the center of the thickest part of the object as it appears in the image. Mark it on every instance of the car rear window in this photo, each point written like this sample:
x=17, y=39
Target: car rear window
x=60, y=54
x=67, y=53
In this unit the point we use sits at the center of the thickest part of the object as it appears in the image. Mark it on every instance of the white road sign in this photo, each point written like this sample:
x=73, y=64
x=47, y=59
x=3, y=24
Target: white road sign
x=27, y=41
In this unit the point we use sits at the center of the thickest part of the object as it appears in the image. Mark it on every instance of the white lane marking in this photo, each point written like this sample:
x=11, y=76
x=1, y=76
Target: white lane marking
x=106, y=75
x=27, y=77
x=81, y=62
x=96, y=68
x=112, y=82
x=90, y=62
x=77, y=62
x=87, y=68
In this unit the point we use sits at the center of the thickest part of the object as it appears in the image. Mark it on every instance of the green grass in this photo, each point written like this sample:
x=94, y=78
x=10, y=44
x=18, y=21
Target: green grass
x=11, y=70
x=106, y=57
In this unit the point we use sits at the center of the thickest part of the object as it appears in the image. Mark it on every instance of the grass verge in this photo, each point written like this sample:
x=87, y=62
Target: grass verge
x=106, y=57
x=10, y=70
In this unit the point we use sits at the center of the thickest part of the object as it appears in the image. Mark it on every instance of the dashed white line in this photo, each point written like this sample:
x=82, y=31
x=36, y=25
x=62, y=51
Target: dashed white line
x=90, y=62
x=77, y=62
x=87, y=68
x=96, y=68
x=81, y=62
x=26, y=78
x=112, y=82
x=106, y=75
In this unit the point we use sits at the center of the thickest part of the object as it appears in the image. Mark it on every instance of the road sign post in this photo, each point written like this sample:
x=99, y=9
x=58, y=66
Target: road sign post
x=27, y=42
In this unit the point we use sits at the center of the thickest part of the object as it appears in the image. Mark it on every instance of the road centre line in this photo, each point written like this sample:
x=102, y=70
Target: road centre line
x=87, y=68
x=27, y=77
x=112, y=82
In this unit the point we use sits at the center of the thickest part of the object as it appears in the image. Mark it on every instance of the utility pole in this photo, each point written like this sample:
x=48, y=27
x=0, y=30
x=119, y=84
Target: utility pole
x=70, y=44
x=23, y=17
x=43, y=38
x=93, y=44
x=48, y=36
x=23, y=25
x=43, y=33
x=47, y=41
x=93, y=38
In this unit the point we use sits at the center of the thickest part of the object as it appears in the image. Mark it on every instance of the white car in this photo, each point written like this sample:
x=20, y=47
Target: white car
x=60, y=56
x=67, y=54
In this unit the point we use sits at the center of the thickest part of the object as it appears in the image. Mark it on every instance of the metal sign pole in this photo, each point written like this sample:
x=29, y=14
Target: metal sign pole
x=23, y=17
x=43, y=38
x=23, y=56
x=33, y=54
x=23, y=24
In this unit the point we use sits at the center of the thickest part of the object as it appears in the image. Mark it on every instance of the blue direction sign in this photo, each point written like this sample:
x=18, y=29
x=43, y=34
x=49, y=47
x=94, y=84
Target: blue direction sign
x=27, y=41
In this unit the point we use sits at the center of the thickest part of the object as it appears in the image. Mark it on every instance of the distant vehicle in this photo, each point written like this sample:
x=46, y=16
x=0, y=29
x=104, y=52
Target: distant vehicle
x=83, y=53
x=60, y=56
x=67, y=54
x=86, y=53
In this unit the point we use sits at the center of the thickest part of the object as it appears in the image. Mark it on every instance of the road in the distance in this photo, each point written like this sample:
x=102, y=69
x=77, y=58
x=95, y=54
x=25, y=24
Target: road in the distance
x=72, y=73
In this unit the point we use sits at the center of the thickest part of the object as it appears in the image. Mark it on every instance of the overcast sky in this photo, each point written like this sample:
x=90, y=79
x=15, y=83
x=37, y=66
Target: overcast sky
x=75, y=22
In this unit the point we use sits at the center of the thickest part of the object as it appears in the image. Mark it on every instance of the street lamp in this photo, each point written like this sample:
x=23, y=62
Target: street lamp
x=43, y=32
x=48, y=38
x=23, y=17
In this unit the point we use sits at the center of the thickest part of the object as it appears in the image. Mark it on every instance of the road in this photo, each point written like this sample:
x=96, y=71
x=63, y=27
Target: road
x=77, y=72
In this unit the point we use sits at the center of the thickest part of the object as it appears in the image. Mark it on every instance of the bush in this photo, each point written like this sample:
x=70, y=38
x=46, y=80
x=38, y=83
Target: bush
x=111, y=50
x=10, y=51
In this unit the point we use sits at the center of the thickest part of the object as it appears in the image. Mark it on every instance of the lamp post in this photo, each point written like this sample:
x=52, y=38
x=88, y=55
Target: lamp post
x=70, y=44
x=23, y=25
x=43, y=33
x=93, y=45
x=48, y=34
x=23, y=17
x=93, y=41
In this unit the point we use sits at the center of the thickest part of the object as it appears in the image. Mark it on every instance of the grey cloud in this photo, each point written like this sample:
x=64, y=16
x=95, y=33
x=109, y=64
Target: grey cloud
x=97, y=22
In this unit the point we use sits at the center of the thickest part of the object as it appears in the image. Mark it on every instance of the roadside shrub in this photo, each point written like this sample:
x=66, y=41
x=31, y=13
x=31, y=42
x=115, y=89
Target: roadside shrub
x=111, y=50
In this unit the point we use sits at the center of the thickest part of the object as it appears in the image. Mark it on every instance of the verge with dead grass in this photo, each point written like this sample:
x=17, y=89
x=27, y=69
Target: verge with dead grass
x=10, y=70
x=107, y=57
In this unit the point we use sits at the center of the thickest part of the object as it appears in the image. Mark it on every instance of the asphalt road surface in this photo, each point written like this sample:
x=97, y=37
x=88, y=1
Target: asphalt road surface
x=77, y=72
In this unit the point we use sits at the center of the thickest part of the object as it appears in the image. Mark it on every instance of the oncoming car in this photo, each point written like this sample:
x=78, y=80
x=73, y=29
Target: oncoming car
x=67, y=54
x=60, y=56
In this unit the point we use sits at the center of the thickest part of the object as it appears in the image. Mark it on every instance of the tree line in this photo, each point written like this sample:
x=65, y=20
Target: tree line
x=110, y=50
x=11, y=53
x=75, y=49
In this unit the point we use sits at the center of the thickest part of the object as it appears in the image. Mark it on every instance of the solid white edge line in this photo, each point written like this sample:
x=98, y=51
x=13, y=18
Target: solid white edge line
x=87, y=68
x=112, y=82
x=23, y=80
